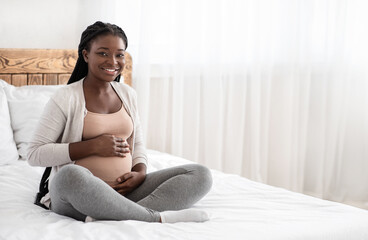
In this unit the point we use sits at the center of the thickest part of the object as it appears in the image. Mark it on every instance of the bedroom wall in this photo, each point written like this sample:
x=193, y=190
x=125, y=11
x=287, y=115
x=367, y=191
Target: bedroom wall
x=53, y=24
x=37, y=24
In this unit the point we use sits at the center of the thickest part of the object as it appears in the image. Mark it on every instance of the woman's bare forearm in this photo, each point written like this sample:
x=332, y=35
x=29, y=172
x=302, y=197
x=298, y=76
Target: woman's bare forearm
x=140, y=167
x=79, y=150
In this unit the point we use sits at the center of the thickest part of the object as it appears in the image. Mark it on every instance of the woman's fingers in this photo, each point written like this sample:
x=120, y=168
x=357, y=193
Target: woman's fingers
x=110, y=145
x=125, y=177
x=121, y=150
x=121, y=147
x=120, y=142
x=120, y=154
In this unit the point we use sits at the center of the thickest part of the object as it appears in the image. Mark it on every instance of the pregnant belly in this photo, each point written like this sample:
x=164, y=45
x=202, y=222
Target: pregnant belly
x=107, y=168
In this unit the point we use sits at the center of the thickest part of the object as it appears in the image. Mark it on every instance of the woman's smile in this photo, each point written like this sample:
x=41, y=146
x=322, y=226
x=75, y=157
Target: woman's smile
x=111, y=71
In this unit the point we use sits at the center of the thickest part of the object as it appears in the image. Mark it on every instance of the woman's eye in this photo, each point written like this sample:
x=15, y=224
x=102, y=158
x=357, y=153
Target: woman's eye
x=120, y=55
x=102, y=53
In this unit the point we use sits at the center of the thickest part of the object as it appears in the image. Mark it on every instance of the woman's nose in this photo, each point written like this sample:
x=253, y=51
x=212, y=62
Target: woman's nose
x=112, y=60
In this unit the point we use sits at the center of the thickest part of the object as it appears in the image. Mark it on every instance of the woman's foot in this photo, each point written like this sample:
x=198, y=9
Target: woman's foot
x=186, y=215
x=89, y=219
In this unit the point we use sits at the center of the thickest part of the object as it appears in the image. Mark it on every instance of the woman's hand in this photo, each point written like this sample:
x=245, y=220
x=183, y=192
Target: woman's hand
x=110, y=146
x=131, y=180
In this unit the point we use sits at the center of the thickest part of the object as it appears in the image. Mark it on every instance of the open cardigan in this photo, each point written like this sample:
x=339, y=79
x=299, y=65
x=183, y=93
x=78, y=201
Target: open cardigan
x=62, y=123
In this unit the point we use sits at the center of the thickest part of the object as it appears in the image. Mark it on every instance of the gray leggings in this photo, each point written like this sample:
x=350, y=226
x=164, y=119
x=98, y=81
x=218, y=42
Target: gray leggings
x=76, y=193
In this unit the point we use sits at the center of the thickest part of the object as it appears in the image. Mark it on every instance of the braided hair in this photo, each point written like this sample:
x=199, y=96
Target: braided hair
x=92, y=32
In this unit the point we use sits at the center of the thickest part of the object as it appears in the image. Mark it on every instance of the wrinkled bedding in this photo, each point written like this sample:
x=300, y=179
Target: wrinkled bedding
x=239, y=209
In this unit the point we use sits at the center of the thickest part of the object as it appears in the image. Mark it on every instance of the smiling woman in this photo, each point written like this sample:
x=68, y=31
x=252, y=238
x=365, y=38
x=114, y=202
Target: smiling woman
x=90, y=135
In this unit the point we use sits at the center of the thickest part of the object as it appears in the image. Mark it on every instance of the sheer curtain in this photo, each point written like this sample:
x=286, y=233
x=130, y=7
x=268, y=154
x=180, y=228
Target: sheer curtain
x=275, y=91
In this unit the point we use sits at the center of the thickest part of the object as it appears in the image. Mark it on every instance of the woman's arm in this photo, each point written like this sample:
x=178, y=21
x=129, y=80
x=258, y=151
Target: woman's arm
x=104, y=145
x=79, y=150
x=43, y=150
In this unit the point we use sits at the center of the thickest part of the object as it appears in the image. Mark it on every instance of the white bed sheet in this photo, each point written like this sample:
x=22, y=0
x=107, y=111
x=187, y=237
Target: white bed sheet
x=239, y=209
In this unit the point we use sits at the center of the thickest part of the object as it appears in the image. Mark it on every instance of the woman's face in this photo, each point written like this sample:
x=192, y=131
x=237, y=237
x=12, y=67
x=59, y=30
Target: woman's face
x=105, y=58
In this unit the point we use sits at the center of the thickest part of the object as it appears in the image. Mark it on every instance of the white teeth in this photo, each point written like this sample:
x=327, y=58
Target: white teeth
x=110, y=70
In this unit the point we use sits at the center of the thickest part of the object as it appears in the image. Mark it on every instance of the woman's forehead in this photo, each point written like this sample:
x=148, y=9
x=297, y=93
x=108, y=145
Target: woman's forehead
x=108, y=41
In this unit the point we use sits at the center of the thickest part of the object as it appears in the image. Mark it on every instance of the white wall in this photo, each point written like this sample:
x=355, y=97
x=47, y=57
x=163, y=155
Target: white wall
x=54, y=23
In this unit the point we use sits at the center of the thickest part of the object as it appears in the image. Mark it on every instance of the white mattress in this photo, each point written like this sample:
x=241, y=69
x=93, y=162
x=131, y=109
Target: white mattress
x=239, y=209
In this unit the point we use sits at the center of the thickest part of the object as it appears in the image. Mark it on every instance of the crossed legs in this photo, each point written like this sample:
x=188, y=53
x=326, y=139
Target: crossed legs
x=76, y=193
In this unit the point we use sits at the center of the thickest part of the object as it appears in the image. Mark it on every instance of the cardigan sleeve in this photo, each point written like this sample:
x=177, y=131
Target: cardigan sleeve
x=139, y=154
x=45, y=149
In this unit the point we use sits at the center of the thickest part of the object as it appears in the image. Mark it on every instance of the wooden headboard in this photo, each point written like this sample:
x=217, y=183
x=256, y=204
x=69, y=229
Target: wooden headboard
x=20, y=66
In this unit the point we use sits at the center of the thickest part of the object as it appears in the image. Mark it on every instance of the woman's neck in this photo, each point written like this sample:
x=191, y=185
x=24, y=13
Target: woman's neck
x=95, y=85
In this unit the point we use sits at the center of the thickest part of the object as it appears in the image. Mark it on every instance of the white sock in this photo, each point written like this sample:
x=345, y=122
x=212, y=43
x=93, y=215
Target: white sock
x=186, y=215
x=89, y=219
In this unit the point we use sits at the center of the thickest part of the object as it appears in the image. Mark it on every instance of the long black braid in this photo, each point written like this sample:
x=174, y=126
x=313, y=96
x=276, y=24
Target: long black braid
x=93, y=31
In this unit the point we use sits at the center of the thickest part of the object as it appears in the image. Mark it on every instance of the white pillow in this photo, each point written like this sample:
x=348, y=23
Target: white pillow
x=8, y=148
x=26, y=105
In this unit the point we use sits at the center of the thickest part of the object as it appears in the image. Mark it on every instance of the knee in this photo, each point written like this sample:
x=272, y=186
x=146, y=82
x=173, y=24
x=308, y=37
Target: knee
x=71, y=175
x=204, y=177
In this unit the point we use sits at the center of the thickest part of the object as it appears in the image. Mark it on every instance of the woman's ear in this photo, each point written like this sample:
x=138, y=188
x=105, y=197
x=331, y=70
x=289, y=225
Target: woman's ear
x=85, y=55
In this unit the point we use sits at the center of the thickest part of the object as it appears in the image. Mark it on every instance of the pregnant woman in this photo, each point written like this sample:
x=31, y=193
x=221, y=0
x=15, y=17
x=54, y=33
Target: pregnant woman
x=90, y=135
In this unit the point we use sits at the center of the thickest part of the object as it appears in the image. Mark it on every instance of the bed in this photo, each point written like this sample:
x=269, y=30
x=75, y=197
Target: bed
x=239, y=208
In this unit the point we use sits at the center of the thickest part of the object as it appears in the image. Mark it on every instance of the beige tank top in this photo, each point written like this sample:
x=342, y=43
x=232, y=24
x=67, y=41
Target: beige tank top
x=119, y=124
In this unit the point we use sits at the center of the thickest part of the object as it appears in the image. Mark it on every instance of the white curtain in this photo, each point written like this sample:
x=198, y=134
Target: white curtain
x=273, y=90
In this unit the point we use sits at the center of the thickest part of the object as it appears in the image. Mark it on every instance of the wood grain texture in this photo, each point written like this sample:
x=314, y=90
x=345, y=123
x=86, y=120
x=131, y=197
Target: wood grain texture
x=35, y=79
x=37, y=60
x=6, y=77
x=63, y=78
x=50, y=79
x=19, y=79
x=128, y=69
x=25, y=66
